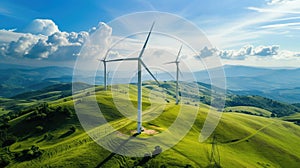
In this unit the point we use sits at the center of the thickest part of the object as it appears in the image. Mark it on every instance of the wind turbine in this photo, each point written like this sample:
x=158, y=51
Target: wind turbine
x=140, y=64
x=104, y=64
x=177, y=61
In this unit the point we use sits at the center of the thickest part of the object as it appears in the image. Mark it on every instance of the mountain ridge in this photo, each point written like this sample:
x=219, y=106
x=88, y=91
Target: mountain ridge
x=277, y=84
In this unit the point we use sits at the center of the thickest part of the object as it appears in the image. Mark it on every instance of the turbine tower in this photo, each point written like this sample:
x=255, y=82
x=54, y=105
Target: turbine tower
x=177, y=61
x=140, y=64
x=105, y=69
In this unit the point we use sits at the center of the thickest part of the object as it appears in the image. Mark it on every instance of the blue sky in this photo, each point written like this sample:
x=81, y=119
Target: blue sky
x=229, y=24
x=80, y=15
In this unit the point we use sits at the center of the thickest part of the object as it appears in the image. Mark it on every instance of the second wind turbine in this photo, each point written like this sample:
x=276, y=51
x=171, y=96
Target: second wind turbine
x=177, y=61
x=139, y=84
x=105, y=69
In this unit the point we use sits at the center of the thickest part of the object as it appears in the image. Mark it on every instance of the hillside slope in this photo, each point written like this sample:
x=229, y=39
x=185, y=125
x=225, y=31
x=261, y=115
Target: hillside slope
x=49, y=135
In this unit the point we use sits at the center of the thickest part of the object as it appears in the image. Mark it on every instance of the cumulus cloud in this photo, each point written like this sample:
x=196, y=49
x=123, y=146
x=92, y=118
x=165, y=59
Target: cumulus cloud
x=226, y=54
x=101, y=35
x=266, y=50
x=98, y=42
x=287, y=55
x=22, y=46
x=248, y=51
x=42, y=26
x=205, y=52
x=40, y=50
x=7, y=36
x=46, y=41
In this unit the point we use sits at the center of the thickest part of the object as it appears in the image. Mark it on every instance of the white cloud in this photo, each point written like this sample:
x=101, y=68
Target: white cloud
x=42, y=26
x=58, y=45
x=7, y=36
x=287, y=55
x=65, y=46
x=272, y=52
x=248, y=27
x=266, y=50
x=274, y=10
x=282, y=25
x=22, y=46
x=205, y=52
x=47, y=42
x=237, y=55
x=97, y=42
x=40, y=50
x=240, y=54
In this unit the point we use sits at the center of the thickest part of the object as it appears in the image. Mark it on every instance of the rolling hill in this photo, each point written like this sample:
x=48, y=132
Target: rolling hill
x=14, y=81
x=46, y=132
x=277, y=84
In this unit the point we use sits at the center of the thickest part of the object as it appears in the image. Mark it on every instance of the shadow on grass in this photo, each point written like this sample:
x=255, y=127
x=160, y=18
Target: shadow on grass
x=67, y=134
x=148, y=156
x=116, y=151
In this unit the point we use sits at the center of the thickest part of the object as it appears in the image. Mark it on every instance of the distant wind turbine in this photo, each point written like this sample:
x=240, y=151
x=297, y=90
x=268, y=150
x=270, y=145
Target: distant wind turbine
x=177, y=61
x=140, y=64
x=104, y=64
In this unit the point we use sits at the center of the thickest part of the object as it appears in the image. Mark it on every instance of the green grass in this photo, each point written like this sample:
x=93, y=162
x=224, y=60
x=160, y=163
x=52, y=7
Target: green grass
x=278, y=108
x=3, y=111
x=242, y=140
x=249, y=110
x=295, y=116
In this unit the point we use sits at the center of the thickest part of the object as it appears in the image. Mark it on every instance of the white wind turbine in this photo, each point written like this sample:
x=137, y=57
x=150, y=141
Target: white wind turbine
x=105, y=69
x=139, y=84
x=177, y=61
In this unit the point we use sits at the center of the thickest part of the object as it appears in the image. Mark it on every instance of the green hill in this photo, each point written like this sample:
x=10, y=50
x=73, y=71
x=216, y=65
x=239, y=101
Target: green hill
x=249, y=110
x=50, y=135
x=293, y=118
x=52, y=92
x=278, y=108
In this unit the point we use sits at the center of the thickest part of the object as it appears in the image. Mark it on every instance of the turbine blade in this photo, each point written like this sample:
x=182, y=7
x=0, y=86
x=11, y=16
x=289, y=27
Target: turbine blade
x=115, y=60
x=172, y=62
x=147, y=39
x=177, y=58
x=144, y=65
x=122, y=59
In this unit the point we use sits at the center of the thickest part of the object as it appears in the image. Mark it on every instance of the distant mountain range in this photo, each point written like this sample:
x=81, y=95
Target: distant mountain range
x=278, y=84
x=18, y=80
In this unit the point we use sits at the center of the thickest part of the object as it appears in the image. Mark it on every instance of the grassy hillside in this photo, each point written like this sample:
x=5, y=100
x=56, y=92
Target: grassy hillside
x=278, y=108
x=249, y=110
x=49, y=134
x=16, y=80
x=293, y=118
x=52, y=92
